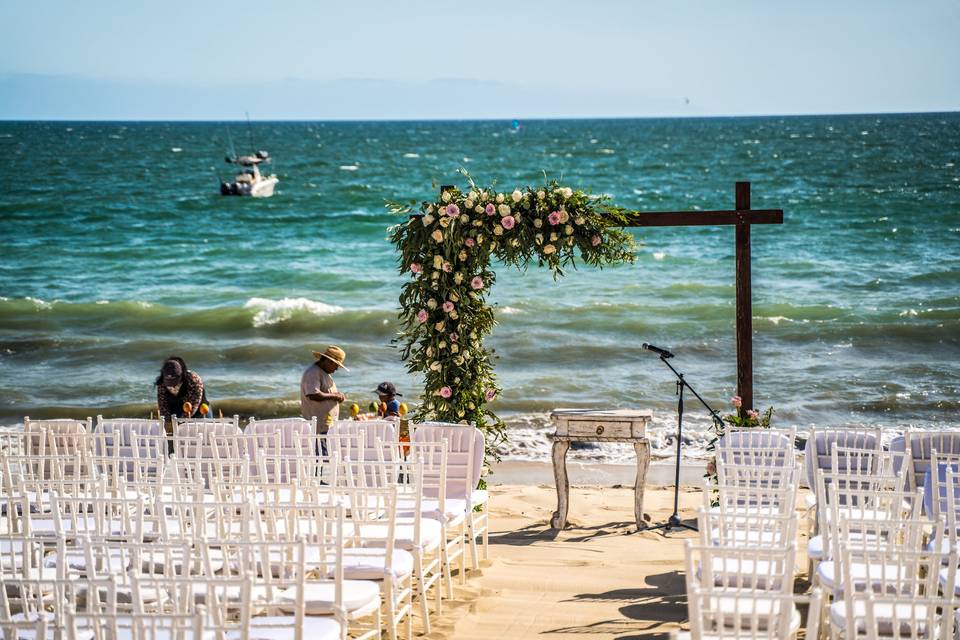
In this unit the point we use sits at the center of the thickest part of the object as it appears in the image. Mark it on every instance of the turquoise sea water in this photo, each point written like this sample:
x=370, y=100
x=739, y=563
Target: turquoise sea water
x=116, y=251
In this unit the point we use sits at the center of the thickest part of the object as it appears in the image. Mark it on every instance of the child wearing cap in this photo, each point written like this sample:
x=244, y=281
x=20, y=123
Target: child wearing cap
x=389, y=405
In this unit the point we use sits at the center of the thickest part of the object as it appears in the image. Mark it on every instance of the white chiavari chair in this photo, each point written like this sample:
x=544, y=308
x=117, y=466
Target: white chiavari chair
x=465, y=461
x=745, y=615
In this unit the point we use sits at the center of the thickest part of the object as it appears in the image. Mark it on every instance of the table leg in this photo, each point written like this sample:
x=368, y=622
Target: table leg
x=643, y=461
x=559, y=519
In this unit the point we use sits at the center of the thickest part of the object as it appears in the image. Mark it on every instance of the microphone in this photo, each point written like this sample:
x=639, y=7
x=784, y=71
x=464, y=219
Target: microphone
x=663, y=353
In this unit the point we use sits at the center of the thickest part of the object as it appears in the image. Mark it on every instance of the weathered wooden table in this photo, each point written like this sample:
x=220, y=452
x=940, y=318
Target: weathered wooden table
x=594, y=425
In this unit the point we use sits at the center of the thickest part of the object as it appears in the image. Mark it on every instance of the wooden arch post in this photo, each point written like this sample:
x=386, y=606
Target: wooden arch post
x=741, y=217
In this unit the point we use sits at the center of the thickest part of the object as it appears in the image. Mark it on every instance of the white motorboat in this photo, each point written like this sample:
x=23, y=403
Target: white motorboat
x=250, y=181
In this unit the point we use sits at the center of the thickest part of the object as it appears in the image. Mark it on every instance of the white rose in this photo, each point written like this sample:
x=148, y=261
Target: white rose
x=444, y=222
x=553, y=237
x=567, y=192
x=503, y=209
x=429, y=208
x=427, y=220
x=539, y=238
x=439, y=326
x=437, y=262
x=434, y=276
x=464, y=218
x=499, y=198
x=473, y=195
x=579, y=221
x=493, y=246
x=549, y=249
x=453, y=297
x=458, y=278
x=458, y=361
x=445, y=196
x=473, y=335
x=468, y=203
x=478, y=223
x=564, y=216
x=442, y=345
x=568, y=230
x=429, y=351
x=437, y=235
x=462, y=256
x=435, y=365
x=454, y=348
x=538, y=223
x=454, y=315
x=515, y=242
x=569, y=242
x=478, y=209
x=498, y=231
x=516, y=195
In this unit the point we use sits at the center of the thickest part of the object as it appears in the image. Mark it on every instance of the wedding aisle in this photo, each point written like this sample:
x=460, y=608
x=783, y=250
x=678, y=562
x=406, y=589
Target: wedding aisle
x=596, y=579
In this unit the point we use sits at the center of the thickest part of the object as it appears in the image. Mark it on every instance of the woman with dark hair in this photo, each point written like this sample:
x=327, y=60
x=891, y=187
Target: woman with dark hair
x=180, y=391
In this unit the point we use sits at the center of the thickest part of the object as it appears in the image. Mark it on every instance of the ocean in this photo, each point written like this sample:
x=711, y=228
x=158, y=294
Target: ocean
x=117, y=251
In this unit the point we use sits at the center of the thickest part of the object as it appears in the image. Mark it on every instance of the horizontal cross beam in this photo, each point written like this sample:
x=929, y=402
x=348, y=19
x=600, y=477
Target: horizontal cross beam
x=704, y=218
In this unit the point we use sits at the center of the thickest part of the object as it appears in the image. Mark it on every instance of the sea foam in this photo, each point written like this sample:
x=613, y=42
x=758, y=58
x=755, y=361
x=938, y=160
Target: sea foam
x=271, y=312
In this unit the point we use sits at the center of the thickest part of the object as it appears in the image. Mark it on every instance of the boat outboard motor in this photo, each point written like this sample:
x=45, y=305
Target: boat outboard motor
x=224, y=189
x=263, y=155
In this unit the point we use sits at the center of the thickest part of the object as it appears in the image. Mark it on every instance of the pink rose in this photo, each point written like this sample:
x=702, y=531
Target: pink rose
x=447, y=306
x=554, y=218
x=454, y=337
x=422, y=316
x=490, y=209
x=753, y=414
x=414, y=267
x=477, y=283
x=736, y=401
x=595, y=241
x=446, y=392
x=447, y=267
x=490, y=394
x=508, y=222
x=453, y=210
x=469, y=242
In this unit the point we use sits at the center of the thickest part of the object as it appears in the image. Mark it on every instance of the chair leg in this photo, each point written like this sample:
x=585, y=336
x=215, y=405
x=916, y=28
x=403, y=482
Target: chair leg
x=421, y=593
x=474, y=557
x=387, y=593
x=486, y=530
x=445, y=562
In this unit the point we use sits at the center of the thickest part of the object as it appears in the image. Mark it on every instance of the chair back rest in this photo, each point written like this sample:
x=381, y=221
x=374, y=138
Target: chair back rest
x=746, y=529
x=357, y=440
x=936, y=497
x=758, y=438
x=920, y=446
x=746, y=615
x=465, y=454
x=741, y=568
x=817, y=454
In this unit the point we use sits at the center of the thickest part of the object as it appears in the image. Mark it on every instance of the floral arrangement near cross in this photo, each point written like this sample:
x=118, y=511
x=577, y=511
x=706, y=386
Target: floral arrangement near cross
x=447, y=247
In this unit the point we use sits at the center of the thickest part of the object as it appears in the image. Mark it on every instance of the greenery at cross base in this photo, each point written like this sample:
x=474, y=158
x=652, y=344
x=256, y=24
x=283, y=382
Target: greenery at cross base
x=739, y=419
x=448, y=246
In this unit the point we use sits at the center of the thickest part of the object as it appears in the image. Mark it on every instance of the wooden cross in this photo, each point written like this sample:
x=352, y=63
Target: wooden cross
x=742, y=216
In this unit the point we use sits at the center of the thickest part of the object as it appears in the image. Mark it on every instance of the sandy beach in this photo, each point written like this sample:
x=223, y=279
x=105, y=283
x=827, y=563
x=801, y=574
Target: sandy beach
x=598, y=578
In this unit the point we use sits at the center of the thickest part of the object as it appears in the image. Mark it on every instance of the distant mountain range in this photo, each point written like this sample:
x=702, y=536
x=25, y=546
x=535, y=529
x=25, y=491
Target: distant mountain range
x=51, y=97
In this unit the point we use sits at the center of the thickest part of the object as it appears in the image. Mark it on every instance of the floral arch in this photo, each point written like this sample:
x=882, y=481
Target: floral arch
x=447, y=248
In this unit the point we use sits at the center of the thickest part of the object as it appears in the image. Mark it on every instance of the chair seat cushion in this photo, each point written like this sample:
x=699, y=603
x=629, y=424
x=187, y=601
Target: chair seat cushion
x=430, y=534
x=766, y=612
x=815, y=548
x=359, y=597
x=746, y=573
x=885, y=613
x=369, y=564
x=827, y=573
x=314, y=628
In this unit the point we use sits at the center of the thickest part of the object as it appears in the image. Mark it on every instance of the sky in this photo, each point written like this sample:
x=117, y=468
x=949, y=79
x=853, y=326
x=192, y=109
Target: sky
x=492, y=59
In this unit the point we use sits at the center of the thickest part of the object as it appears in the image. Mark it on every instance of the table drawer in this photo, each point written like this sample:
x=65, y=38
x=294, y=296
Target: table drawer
x=597, y=428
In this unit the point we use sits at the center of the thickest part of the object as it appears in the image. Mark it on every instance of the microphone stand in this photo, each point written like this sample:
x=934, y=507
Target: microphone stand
x=674, y=522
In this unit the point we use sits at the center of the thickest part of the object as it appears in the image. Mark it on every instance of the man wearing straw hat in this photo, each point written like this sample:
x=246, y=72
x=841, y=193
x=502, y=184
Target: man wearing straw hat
x=318, y=392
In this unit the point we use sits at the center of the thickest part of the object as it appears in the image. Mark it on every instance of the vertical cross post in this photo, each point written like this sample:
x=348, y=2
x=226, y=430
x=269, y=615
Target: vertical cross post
x=744, y=302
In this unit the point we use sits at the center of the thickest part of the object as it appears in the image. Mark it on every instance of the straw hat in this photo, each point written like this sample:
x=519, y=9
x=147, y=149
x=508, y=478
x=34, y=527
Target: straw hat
x=334, y=353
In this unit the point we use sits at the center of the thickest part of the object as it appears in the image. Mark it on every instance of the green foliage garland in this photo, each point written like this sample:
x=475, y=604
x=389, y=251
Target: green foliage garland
x=447, y=250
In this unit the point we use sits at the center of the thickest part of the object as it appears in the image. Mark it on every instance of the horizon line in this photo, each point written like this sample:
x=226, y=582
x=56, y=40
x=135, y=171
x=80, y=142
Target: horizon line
x=497, y=119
